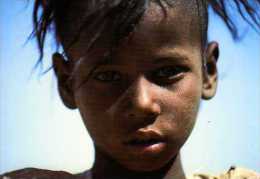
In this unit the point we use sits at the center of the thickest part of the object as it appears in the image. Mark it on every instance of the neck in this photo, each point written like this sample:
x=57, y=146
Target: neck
x=106, y=168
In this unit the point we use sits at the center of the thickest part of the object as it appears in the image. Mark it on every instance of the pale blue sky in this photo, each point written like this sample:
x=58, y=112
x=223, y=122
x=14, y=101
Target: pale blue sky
x=36, y=130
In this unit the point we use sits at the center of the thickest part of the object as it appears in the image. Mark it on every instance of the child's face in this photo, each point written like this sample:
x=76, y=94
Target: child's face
x=141, y=107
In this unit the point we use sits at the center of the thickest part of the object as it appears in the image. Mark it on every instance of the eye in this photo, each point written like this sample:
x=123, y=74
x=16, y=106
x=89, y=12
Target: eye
x=168, y=74
x=107, y=76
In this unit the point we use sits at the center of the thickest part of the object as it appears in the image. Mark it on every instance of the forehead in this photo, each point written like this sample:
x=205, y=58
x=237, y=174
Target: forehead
x=173, y=26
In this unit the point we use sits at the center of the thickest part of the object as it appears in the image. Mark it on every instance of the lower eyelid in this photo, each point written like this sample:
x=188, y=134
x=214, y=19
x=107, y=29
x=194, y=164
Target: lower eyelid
x=177, y=75
x=169, y=81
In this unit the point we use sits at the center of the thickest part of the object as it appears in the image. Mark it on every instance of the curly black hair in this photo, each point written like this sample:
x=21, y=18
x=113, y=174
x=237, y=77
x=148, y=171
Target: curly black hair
x=122, y=16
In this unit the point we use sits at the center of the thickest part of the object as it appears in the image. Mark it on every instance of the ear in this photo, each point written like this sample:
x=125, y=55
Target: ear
x=62, y=69
x=210, y=77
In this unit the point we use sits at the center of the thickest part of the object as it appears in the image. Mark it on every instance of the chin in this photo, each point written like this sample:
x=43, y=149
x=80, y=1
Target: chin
x=155, y=163
x=146, y=167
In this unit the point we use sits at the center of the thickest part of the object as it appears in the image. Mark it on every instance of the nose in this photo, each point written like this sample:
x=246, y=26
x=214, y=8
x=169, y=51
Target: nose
x=138, y=105
x=142, y=102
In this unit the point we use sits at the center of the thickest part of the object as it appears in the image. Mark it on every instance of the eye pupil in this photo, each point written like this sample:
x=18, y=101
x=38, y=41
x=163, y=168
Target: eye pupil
x=168, y=72
x=108, y=76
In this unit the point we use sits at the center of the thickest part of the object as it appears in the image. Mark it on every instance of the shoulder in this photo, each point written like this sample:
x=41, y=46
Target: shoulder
x=232, y=173
x=33, y=173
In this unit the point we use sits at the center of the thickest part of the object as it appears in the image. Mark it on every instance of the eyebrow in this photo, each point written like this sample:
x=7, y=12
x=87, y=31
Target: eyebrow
x=104, y=60
x=171, y=57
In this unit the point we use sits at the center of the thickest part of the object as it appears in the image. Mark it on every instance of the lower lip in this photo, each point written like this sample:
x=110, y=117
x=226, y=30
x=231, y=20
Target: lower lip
x=154, y=148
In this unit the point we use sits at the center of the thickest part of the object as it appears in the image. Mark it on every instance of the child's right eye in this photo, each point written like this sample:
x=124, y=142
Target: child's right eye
x=108, y=76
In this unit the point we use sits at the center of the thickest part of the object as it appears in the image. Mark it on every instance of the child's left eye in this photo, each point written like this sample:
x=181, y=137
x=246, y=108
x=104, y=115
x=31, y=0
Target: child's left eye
x=168, y=73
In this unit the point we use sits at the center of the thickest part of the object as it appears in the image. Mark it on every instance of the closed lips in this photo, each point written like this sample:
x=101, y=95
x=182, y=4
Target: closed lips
x=143, y=141
x=144, y=138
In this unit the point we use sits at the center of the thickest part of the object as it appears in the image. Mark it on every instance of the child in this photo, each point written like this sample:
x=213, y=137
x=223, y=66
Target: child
x=137, y=71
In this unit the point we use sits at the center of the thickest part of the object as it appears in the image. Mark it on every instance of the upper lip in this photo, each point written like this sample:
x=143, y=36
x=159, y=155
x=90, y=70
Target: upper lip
x=144, y=135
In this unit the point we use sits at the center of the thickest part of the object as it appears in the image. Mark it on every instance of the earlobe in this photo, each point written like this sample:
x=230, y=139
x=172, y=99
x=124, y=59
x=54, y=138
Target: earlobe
x=62, y=71
x=210, y=73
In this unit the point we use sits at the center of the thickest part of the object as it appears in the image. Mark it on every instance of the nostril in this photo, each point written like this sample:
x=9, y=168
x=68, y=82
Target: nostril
x=150, y=112
x=144, y=115
x=131, y=115
x=151, y=115
x=140, y=121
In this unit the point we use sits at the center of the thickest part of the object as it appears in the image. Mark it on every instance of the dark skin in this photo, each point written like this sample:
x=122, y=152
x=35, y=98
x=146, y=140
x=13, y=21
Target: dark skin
x=150, y=91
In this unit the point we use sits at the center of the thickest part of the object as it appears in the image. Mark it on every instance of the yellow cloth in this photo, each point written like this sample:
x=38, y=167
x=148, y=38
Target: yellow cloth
x=233, y=173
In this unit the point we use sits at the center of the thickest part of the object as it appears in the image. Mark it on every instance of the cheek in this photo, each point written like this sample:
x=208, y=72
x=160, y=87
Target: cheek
x=93, y=100
x=91, y=107
x=181, y=106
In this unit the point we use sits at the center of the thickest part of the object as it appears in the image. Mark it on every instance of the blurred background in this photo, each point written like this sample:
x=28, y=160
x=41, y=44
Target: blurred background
x=36, y=130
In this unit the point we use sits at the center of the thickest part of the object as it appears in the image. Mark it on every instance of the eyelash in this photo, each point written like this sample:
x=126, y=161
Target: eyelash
x=169, y=75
